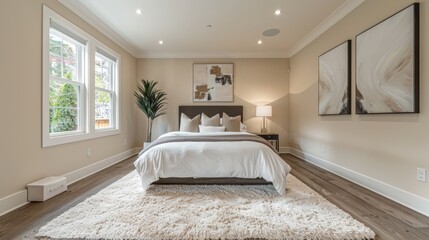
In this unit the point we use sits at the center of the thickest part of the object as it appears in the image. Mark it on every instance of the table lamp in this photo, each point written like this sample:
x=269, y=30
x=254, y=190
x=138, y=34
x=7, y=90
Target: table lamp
x=264, y=111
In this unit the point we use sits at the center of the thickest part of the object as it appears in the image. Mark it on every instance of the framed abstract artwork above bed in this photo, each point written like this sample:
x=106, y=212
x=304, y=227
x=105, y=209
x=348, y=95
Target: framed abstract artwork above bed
x=387, y=65
x=213, y=82
x=335, y=80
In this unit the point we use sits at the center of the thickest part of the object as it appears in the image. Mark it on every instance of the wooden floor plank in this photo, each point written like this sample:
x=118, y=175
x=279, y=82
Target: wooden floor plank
x=383, y=204
x=388, y=219
x=24, y=222
x=425, y=230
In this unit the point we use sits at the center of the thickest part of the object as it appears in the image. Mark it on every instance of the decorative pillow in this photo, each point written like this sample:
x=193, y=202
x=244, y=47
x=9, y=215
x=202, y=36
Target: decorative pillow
x=189, y=125
x=232, y=124
x=213, y=121
x=243, y=128
x=205, y=129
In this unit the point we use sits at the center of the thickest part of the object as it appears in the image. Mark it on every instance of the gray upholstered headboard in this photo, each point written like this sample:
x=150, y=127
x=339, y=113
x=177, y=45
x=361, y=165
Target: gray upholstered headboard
x=192, y=111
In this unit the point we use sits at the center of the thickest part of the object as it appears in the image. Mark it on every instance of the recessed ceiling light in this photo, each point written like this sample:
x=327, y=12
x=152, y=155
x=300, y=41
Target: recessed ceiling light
x=278, y=12
x=209, y=26
x=139, y=11
x=259, y=42
x=160, y=42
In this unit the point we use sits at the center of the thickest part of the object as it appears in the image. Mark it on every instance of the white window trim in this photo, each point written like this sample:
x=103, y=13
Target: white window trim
x=115, y=90
x=88, y=127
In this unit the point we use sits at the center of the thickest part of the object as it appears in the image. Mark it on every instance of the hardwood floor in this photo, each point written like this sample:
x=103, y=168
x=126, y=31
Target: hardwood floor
x=24, y=222
x=388, y=219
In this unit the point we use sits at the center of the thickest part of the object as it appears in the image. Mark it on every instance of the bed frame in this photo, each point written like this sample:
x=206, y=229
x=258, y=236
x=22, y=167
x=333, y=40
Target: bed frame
x=191, y=112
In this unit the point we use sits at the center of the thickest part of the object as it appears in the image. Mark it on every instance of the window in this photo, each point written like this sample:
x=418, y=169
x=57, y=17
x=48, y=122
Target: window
x=105, y=97
x=80, y=97
x=66, y=84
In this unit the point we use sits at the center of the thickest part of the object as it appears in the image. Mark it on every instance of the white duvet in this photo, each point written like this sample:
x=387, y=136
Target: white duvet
x=241, y=159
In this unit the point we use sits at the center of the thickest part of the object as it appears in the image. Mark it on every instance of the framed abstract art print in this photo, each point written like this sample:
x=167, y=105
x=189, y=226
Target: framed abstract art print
x=387, y=65
x=213, y=82
x=335, y=80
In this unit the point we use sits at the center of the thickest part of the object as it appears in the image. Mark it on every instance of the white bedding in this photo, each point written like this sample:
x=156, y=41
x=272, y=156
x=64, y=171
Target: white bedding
x=241, y=159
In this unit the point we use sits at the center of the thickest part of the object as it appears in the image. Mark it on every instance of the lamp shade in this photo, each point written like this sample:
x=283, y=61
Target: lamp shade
x=263, y=111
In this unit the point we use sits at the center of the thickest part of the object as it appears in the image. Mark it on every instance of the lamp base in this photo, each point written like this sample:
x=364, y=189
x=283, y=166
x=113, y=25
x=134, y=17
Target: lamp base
x=264, y=130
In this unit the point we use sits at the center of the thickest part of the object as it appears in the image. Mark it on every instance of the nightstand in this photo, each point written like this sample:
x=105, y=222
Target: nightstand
x=273, y=138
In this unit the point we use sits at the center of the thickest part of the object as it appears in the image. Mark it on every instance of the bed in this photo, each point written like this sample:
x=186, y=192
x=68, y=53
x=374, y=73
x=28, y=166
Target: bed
x=211, y=158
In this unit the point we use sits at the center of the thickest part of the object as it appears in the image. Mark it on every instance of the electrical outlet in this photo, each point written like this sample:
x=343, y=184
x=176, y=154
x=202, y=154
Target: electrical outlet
x=421, y=174
x=88, y=152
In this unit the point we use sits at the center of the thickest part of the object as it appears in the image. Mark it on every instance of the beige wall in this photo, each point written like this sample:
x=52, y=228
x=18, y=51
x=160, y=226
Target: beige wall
x=256, y=81
x=22, y=159
x=387, y=148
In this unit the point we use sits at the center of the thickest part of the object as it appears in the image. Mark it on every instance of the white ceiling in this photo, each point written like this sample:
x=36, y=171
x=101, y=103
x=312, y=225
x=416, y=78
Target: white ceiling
x=237, y=25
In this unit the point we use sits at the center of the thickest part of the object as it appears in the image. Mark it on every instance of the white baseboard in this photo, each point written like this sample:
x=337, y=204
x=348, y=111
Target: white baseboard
x=284, y=149
x=18, y=199
x=84, y=172
x=400, y=196
x=12, y=202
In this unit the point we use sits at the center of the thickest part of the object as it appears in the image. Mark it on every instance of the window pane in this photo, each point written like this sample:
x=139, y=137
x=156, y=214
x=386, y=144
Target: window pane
x=99, y=80
x=55, y=66
x=63, y=56
x=103, y=81
x=103, y=72
x=107, y=80
x=70, y=57
x=69, y=50
x=98, y=69
x=63, y=107
x=106, y=71
x=106, y=64
x=103, y=109
x=55, y=58
x=70, y=71
x=54, y=45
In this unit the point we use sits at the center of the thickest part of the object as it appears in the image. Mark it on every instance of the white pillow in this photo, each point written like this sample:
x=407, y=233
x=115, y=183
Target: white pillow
x=232, y=124
x=189, y=125
x=243, y=127
x=210, y=121
x=205, y=129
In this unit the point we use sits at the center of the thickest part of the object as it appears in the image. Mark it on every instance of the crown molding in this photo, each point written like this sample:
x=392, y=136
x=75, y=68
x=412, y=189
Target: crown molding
x=278, y=54
x=80, y=10
x=331, y=20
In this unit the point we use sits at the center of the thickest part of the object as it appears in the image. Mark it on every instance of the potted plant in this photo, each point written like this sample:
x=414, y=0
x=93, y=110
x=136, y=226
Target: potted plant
x=151, y=101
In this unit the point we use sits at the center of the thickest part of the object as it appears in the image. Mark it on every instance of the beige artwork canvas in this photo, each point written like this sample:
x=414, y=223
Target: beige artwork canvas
x=213, y=83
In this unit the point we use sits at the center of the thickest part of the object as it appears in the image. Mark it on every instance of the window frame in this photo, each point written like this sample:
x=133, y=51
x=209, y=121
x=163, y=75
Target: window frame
x=102, y=50
x=87, y=93
x=82, y=85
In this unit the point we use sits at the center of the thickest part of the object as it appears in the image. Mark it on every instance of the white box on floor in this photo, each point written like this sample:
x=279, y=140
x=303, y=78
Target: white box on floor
x=46, y=188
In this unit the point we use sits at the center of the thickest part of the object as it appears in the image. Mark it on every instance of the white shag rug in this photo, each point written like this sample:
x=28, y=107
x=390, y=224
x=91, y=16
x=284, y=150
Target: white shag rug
x=124, y=211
